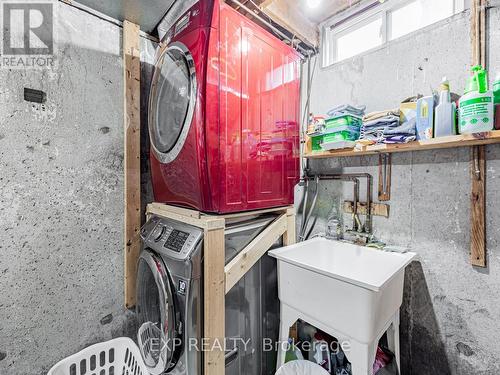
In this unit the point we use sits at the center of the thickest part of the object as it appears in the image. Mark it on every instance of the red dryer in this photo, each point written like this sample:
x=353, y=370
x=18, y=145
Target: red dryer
x=224, y=114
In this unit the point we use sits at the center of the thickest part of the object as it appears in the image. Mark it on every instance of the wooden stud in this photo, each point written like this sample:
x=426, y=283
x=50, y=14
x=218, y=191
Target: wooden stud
x=290, y=236
x=255, y=213
x=245, y=260
x=132, y=162
x=377, y=209
x=204, y=222
x=214, y=301
x=478, y=161
x=478, y=208
x=384, y=177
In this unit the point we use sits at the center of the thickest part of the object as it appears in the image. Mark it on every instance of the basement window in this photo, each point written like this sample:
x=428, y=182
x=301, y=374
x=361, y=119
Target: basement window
x=372, y=24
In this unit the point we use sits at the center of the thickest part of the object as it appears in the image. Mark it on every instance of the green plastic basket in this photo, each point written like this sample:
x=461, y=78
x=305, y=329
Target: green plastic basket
x=346, y=120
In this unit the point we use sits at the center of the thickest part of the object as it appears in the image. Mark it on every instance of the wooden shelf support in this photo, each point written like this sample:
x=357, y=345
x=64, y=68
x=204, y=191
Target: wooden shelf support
x=245, y=260
x=478, y=160
x=218, y=277
x=464, y=140
x=132, y=149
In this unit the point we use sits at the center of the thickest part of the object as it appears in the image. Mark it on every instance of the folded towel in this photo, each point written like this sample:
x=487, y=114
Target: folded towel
x=407, y=128
x=382, y=122
x=387, y=129
x=399, y=139
x=380, y=114
x=347, y=109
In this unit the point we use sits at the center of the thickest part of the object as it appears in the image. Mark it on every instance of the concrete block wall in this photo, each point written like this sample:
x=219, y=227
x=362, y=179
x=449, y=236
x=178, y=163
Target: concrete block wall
x=61, y=199
x=450, y=317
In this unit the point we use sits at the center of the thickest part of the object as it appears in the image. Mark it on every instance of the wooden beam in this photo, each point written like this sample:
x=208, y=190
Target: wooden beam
x=478, y=161
x=186, y=216
x=214, y=301
x=290, y=236
x=478, y=208
x=377, y=209
x=237, y=215
x=245, y=260
x=132, y=163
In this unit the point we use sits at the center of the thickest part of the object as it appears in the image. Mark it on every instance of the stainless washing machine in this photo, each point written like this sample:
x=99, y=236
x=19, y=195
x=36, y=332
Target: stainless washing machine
x=170, y=301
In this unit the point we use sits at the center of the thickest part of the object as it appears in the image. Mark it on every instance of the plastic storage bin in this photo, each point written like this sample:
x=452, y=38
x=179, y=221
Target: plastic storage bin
x=120, y=356
x=346, y=120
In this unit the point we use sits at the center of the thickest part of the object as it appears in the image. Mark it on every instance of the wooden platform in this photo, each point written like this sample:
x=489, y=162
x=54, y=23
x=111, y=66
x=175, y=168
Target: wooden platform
x=218, y=277
x=463, y=140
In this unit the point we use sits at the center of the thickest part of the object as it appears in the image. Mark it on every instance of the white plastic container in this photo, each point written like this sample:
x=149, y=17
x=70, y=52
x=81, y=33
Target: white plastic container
x=444, y=121
x=120, y=356
x=301, y=368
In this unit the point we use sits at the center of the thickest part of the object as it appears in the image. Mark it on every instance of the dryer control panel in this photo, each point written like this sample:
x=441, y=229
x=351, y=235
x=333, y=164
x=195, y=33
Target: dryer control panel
x=170, y=237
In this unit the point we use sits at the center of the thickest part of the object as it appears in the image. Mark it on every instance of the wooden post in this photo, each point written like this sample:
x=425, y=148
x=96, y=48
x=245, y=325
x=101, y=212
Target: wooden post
x=132, y=162
x=214, y=298
x=478, y=217
x=478, y=161
x=290, y=236
x=218, y=278
x=246, y=259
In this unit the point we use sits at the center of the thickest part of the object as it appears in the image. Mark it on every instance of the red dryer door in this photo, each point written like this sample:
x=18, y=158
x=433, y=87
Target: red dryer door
x=172, y=101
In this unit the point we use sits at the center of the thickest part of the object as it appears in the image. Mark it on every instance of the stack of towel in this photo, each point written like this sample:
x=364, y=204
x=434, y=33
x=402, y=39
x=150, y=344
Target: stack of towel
x=347, y=109
x=384, y=127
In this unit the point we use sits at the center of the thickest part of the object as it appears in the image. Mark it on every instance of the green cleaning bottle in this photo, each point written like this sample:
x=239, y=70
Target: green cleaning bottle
x=444, y=121
x=496, y=94
x=476, y=106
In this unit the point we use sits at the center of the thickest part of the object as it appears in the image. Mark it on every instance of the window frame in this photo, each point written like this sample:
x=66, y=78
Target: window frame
x=340, y=24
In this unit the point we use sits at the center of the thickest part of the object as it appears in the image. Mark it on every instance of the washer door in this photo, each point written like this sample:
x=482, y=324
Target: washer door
x=171, y=101
x=155, y=309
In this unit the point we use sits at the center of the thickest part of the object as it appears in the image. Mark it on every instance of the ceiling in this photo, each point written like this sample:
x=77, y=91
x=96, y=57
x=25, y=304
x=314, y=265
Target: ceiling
x=294, y=15
x=325, y=9
x=146, y=13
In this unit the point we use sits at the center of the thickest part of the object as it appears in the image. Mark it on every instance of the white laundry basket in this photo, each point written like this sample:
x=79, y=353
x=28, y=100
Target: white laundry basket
x=120, y=356
x=301, y=367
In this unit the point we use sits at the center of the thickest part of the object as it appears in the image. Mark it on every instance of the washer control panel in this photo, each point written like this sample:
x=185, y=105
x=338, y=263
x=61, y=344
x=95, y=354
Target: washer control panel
x=176, y=240
x=171, y=237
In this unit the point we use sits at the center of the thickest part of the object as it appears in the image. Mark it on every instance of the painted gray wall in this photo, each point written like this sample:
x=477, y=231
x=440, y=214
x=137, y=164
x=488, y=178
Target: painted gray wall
x=450, y=317
x=61, y=200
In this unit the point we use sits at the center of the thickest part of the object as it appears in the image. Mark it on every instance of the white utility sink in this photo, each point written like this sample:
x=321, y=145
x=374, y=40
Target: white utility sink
x=349, y=291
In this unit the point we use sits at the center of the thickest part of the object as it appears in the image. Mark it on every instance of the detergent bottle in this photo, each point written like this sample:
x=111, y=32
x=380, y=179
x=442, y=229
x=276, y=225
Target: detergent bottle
x=476, y=106
x=444, y=122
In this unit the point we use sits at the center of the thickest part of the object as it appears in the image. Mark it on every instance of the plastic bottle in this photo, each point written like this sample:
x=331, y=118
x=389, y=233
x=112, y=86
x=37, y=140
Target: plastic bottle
x=476, y=106
x=334, y=224
x=425, y=117
x=320, y=352
x=496, y=94
x=444, y=122
x=293, y=353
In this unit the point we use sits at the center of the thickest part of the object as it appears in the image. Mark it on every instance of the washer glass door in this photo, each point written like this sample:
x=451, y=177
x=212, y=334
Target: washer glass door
x=172, y=101
x=156, y=314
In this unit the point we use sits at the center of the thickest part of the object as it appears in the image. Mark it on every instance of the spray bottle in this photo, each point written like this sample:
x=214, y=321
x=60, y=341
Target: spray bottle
x=444, y=122
x=476, y=106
